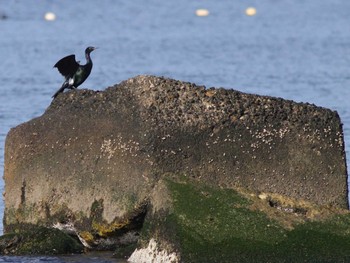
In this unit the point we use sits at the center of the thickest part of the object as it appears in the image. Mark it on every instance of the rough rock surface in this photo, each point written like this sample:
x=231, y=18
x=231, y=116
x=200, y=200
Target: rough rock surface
x=39, y=241
x=94, y=159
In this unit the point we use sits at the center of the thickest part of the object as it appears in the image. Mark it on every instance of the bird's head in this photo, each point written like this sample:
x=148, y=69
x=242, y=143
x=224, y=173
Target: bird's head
x=88, y=50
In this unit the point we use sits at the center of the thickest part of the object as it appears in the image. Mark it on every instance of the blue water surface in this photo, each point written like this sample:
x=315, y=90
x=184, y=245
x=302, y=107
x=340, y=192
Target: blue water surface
x=294, y=49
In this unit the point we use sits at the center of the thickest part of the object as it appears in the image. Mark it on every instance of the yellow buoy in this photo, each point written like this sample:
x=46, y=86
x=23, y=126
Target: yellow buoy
x=250, y=11
x=202, y=12
x=49, y=16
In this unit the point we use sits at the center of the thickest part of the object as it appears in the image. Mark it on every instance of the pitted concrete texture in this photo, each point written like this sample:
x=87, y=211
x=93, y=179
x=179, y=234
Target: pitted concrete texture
x=114, y=145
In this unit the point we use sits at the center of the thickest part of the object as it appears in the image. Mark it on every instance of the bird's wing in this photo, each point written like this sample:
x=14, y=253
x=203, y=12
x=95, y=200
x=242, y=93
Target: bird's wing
x=67, y=66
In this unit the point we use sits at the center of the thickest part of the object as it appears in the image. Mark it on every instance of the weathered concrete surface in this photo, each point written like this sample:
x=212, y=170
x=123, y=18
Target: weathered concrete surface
x=94, y=159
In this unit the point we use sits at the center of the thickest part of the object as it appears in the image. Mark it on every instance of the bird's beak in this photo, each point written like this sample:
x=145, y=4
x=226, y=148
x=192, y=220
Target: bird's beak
x=95, y=48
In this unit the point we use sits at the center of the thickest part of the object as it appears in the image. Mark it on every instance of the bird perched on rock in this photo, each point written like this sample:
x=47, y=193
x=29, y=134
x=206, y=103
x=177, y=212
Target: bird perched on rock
x=74, y=73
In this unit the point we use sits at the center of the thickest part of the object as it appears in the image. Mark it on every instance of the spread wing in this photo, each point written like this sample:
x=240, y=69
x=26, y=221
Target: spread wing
x=67, y=66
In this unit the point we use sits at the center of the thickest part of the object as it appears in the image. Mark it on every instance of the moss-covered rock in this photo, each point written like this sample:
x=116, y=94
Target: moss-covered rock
x=39, y=241
x=208, y=224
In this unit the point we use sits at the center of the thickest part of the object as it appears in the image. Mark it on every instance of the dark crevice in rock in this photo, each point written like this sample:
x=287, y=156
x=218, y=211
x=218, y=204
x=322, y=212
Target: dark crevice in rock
x=23, y=192
x=121, y=233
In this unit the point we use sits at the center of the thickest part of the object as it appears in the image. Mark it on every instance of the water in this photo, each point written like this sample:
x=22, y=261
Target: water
x=294, y=49
x=98, y=257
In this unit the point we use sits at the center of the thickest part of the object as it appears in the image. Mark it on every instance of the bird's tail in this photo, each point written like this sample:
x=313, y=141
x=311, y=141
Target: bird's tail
x=65, y=85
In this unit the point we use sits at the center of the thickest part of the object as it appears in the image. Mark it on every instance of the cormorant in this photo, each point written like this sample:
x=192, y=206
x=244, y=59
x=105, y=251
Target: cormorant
x=74, y=73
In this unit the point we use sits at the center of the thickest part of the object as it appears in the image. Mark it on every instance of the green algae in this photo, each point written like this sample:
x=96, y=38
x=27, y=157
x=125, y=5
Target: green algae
x=218, y=225
x=39, y=241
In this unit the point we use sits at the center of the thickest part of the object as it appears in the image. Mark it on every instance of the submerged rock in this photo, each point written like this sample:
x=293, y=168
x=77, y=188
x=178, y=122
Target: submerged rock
x=101, y=162
x=39, y=241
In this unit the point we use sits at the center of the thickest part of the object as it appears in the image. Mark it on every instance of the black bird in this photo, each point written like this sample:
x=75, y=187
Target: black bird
x=74, y=73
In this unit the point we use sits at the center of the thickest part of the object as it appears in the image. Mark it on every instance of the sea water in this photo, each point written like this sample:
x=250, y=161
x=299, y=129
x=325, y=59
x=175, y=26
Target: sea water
x=293, y=49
